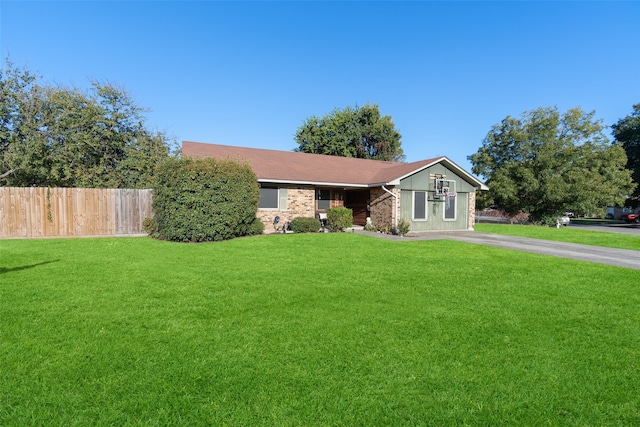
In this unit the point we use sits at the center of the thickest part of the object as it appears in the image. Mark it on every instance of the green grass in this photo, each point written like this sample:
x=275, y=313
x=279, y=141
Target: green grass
x=564, y=234
x=323, y=329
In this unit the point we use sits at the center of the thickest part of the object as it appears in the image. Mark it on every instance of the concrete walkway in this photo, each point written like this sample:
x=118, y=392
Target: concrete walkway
x=618, y=257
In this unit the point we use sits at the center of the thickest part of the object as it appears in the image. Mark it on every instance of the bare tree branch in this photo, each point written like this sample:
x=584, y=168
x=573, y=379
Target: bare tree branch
x=7, y=173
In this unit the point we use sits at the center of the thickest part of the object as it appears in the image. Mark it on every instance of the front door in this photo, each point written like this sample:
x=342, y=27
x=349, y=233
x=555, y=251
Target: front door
x=358, y=202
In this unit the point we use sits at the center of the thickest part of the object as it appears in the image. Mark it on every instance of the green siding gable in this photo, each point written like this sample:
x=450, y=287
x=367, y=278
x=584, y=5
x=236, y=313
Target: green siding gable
x=435, y=213
x=421, y=181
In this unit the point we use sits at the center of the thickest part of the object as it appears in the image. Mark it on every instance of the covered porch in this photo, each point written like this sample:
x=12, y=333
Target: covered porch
x=356, y=199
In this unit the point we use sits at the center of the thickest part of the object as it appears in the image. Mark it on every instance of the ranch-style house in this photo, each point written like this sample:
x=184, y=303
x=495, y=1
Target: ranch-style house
x=431, y=194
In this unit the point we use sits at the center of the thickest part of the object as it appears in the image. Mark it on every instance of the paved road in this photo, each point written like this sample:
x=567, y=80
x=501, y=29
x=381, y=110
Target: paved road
x=617, y=257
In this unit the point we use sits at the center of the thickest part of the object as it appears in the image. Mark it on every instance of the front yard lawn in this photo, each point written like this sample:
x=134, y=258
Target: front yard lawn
x=313, y=330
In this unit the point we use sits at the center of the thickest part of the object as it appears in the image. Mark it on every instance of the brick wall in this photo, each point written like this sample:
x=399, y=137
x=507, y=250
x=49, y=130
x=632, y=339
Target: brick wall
x=383, y=208
x=300, y=202
x=472, y=211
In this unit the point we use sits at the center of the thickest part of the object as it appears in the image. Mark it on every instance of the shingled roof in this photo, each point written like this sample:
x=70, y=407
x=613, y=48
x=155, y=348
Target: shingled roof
x=303, y=168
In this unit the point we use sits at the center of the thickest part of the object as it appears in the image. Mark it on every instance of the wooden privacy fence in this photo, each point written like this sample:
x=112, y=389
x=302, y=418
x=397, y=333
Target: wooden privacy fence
x=74, y=212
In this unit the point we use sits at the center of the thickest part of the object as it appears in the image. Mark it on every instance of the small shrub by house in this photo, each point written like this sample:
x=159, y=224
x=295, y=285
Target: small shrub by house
x=339, y=218
x=256, y=227
x=305, y=225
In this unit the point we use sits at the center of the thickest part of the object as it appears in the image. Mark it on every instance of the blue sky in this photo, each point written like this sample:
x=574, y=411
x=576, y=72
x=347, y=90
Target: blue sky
x=249, y=73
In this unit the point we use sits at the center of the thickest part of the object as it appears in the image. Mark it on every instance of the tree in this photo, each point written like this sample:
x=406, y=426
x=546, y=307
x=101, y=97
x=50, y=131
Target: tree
x=55, y=136
x=627, y=132
x=352, y=132
x=546, y=163
x=20, y=100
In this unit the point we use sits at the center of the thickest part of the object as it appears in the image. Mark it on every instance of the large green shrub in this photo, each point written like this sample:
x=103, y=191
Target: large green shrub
x=305, y=225
x=339, y=218
x=199, y=200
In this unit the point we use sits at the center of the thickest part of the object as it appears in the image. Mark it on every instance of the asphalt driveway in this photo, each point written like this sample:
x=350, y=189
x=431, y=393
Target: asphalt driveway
x=615, y=227
x=618, y=257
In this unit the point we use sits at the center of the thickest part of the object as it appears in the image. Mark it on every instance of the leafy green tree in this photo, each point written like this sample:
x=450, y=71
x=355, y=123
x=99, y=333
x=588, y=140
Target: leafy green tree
x=55, y=136
x=20, y=103
x=627, y=132
x=546, y=163
x=352, y=132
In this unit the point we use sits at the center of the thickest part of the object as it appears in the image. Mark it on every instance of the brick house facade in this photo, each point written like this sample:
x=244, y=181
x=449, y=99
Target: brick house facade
x=305, y=185
x=384, y=213
x=300, y=202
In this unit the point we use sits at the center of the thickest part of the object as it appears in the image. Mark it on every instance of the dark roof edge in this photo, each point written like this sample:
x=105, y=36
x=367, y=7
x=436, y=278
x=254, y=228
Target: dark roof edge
x=328, y=184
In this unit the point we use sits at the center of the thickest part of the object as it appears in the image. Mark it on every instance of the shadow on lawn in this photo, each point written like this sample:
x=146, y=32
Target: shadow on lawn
x=25, y=267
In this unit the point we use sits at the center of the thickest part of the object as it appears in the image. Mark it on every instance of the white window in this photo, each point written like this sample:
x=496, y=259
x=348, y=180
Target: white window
x=269, y=197
x=450, y=206
x=420, y=205
x=324, y=199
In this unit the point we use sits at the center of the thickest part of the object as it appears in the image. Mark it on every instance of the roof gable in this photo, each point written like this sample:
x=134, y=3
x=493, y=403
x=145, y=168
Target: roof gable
x=303, y=168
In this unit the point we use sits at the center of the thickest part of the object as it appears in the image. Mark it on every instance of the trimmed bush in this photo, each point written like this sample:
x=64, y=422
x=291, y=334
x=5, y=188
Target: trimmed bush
x=200, y=200
x=257, y=227
x=339, y=218
x=305, y=225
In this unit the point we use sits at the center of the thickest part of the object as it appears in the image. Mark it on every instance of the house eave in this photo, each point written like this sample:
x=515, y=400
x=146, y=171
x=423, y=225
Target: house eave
x=381, y=184
x=314, y=183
